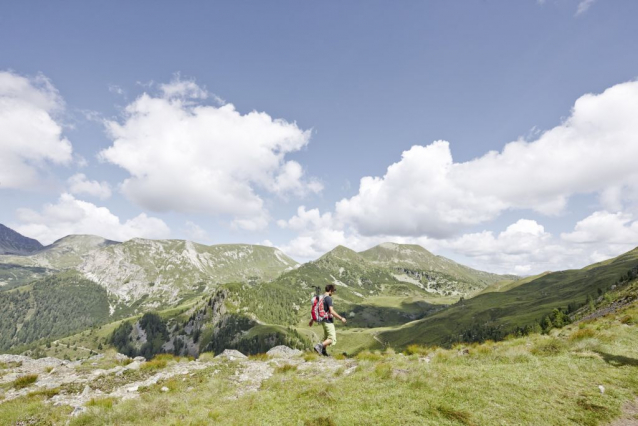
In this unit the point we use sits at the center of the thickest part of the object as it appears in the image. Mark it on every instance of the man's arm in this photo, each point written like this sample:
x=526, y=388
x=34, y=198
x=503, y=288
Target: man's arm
x=335, y=314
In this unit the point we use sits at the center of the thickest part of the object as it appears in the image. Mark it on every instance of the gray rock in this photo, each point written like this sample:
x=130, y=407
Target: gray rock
x=135, y=365
x=284, y=352
x=139, y=359
x=231, y=354
x=77, y=411
x=121, y=357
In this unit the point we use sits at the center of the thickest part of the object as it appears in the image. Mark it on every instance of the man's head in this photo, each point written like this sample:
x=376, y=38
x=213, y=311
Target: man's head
x=330, y=288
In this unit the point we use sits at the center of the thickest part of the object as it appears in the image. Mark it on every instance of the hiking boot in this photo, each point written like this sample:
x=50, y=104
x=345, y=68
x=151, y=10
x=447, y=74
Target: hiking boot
x=324, y=352
x=319, y=348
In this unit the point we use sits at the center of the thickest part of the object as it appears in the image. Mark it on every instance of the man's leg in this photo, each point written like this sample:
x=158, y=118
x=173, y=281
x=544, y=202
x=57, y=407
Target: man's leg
x=330, y=336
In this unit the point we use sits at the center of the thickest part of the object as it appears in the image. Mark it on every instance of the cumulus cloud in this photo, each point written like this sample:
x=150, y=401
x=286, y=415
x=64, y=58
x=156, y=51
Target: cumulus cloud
x=604, y=227
x=426, y=198
x=72, y=216
x=427, y=193
x=584, y=6
x=316, y=234
x=195, y=232
x=30, y=136
x=186, y=156
x=79, y=184
x=522, y=248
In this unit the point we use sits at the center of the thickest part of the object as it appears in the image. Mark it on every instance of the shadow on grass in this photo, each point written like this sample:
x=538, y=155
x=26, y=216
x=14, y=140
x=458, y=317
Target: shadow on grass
x=382, y=316
x=618, y=360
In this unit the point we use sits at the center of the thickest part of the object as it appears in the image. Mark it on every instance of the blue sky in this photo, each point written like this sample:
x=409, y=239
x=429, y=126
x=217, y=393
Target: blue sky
x=356, y=85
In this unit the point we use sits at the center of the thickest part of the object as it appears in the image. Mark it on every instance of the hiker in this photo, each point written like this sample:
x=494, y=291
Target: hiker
x=324, y=313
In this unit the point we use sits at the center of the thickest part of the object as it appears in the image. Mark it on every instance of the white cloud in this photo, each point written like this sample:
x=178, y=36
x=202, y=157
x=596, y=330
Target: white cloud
x=523, y=248
x=428, y=199
x=257, y=222
x=195, y=232
x=78, y=184
x=184, y=89
x=114, y=88
x=72, y=216
x=584, y=6
x=604, y=227
x=30, y=136
x=189, y=157
x=427, y=193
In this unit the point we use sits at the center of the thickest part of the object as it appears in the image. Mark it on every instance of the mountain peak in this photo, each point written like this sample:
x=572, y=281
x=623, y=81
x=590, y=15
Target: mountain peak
x=389, y=251
x=341, y=252
x=12, y=242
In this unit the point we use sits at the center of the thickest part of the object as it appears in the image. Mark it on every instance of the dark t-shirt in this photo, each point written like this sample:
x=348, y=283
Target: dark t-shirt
x=327, y=303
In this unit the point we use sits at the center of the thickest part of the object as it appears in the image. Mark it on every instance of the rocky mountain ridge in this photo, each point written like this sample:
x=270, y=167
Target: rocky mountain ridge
x=11, y=242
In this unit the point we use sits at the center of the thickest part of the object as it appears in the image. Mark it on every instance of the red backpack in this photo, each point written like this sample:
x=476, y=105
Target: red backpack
x=319, y=309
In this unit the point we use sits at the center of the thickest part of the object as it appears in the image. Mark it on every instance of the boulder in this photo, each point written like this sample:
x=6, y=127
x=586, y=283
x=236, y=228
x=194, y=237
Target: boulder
x=283, y=352
x=231, y=354
x=121, y=357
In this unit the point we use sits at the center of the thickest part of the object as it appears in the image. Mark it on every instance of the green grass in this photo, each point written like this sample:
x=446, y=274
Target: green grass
x=24, y=381
x=540, y=380
x=523, y=305
x=47, y=393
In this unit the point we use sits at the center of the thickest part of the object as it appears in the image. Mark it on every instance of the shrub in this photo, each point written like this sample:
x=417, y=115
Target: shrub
x=154, y=364
x=418, y=350
x=166, y=357
x=24, y=381
x=549, y=347
x=310, y=356
x=383, y=370
x=286, y=368
x=104, y=403
x=582, y=333
x=259, y=357
x=47, y=393
x=369, y=356
x=206, y=356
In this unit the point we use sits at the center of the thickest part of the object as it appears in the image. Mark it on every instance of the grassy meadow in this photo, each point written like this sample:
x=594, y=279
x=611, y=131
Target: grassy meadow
x=539, y=379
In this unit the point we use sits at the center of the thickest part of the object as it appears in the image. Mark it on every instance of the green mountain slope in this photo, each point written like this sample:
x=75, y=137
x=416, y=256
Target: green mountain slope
x=502, y=312
x=52, y=307
x=163, y=272
x=413, y=263
x=64, y=254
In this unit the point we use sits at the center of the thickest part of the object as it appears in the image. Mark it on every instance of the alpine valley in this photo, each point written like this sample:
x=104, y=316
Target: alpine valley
x=145, y=297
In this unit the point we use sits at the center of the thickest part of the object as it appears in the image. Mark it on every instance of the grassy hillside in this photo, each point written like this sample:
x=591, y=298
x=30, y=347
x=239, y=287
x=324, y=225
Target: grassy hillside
x=49, y=308
x=523, y=305
x=583, y=374
x=413, y=260
x=164, y=272
x=64, y=254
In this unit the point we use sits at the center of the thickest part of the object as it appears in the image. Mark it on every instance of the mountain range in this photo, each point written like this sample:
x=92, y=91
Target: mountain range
x=253, y=297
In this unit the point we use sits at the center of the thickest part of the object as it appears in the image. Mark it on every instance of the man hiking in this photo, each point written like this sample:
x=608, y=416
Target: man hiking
x=324, y=313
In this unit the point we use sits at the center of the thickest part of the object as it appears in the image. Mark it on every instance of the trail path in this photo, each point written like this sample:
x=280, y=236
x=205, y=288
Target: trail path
x=629, y=416
x=374, y=336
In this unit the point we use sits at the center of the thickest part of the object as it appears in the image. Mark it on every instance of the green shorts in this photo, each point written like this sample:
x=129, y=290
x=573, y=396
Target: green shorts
x=329, y=332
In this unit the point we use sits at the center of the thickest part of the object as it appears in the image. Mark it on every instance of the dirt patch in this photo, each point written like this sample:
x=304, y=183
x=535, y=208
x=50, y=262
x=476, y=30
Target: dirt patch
x=629, y=416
